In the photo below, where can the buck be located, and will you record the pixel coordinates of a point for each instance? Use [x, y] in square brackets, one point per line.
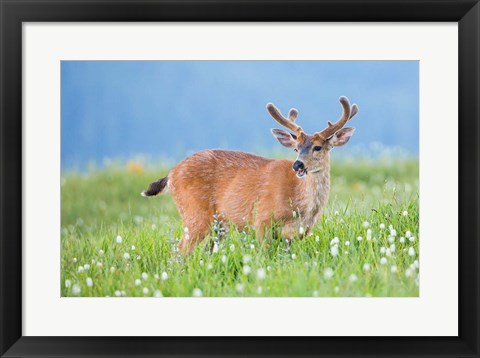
[246, 189]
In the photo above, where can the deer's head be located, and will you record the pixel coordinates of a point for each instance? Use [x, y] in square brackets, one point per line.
[313, 150]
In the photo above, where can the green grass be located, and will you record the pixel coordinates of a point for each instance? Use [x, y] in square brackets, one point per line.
[101, 205]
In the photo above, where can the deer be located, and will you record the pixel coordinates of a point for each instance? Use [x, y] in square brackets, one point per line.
[253, 191]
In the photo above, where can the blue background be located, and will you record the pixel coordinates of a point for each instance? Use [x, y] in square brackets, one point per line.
[167, 109]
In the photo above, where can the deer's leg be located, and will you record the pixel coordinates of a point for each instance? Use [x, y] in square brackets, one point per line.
[265, 231]
[196, 228]
[289, 231]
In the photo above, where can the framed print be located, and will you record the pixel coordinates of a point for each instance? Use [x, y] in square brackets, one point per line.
[240, 178]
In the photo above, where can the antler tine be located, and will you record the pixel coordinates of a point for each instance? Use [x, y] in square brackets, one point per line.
[354, 111]
[287, 123]
[293, 114]
[348, 113]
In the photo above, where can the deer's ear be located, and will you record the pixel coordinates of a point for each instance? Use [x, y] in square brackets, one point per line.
[286, 139]
[341, 137]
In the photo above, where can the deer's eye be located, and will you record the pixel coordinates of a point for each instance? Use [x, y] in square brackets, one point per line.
[296, 150]
[317, 148]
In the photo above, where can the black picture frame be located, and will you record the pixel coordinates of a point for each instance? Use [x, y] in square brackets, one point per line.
[14, 12]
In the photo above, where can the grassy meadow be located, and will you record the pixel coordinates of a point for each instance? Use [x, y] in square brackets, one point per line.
[116, 243]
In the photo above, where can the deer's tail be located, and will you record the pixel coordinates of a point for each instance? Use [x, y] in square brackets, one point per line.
[156, 187]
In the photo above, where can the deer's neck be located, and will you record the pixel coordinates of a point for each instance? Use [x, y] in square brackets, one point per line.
[314, 195]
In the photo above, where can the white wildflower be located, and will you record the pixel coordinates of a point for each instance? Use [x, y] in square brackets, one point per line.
[76, 290]
[392, 248]
[334, 241]
[246, 259]
[405, 213]
[366, 224]
[86, 267]
[157, 293]
[301, 230]
[119, 239]
[209, 266]
[252, 246]
[164, 276]
[353, 278]
[402, 240]
[411, 238]
[201, 262]
[144, 276]
[369, 234]
[294, 256]
[80, 269]
[99, 265]
[74, 260]
[391, 239]
[101, 252]
[393, 269]
[138, 282]
[317, 238]
[366, 267]
[240, 287]
[117, 293]
[408, 234]
[382, 226]
[68, 283]
[411, 251]
[89, 282]
[328, 273]
[347, 243]
[215, 248]
[416, 264]
[224, 259]
[383, 261]
[112, 269]
[126, 255]
[185, 230]
[261, 274]
[359, 238]
[336, 213]
[246, 270]
[334, 250]
[197, 292]
[232, 247]
[133, 247]
[145, 290]
[259, 290]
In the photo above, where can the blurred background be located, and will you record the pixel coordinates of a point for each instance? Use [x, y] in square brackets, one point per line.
[161, 111]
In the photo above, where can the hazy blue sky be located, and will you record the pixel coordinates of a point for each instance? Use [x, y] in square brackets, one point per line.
[118, 109]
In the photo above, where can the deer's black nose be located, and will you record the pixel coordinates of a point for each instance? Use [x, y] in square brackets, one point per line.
[298, 165]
